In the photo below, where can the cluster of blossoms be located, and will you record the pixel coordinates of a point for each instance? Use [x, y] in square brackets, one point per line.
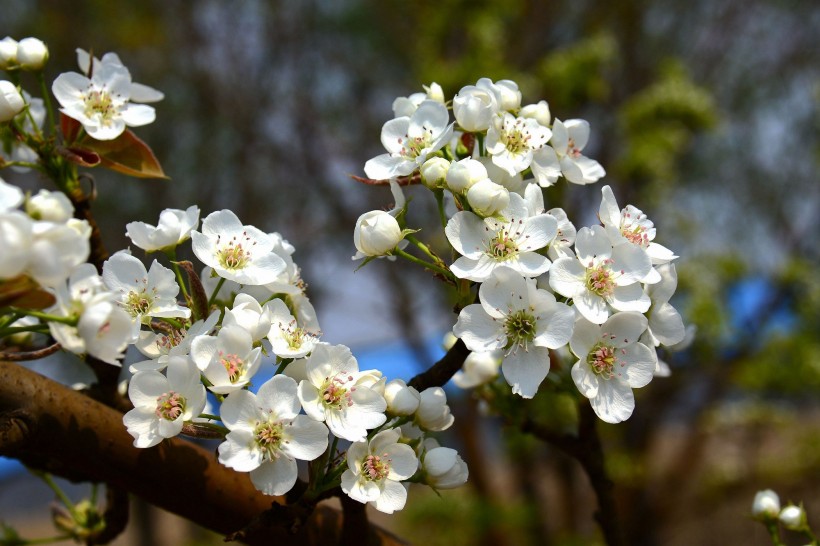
[766, 509]
[238, 338]
[543, 287]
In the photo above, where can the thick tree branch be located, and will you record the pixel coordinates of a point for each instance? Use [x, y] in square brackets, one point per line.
[50, 427]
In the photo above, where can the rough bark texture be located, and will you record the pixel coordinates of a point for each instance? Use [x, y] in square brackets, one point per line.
[50, 427]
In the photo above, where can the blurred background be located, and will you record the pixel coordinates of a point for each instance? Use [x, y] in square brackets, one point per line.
[705, 116]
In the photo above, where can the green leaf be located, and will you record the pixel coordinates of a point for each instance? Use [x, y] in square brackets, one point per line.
[126, 154]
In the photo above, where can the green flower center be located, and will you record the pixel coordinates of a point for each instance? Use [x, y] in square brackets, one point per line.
[520, 328]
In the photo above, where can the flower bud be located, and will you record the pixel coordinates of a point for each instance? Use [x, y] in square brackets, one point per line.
[766, 505]
[444, 468]
[473, 108]
[51, 206]
[488, 198]
[377, 233]
[539, 112]
[463, 174]
[507, 94]
[8, 53]
[435, 92]
[32, 53]
[11, 101]
[478, 369]
[434, 413]
[434, 172]
[401, 399]
[793, 518]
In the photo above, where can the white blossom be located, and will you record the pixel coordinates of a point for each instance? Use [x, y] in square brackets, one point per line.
[766, 505]
[433, 413]
[377, 233]
[524, 321]
[51, 206]
[267, 435]
[479, 367]
[511, 141]
[289, 338]
[103, 329]
[228, 360]
[174, 227]
[143, 293]
[11, 101]
[163, 404]
[611, 362]
[512, 241]
[564, 156]
[243, 254]
[101, 102]
[336, 392]
[375, 470]
[409, 140]
[443, 467]
[600, 274]
[401, 399]
[32, 53]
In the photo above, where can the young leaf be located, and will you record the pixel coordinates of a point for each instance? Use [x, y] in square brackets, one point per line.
[126, 154]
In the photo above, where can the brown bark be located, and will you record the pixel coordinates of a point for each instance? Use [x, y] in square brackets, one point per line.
[53, 428]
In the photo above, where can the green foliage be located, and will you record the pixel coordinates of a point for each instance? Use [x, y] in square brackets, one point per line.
[659, 123]
[580, 72]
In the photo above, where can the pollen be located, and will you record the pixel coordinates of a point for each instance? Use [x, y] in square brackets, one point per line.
[170, 405]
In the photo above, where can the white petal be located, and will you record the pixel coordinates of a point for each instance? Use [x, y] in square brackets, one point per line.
[615, 401]
[278, 395]
[240, 410]
[566, 276]
[585, 379]
[591, 306]
[393, 497]
[525, 370]
[307, 438]
[466, 232]
[667, 325]
[479, 331]
[624, 328]
[235, 452]
[593, 246]
[275, 477]
[630, 298]
[639, 365]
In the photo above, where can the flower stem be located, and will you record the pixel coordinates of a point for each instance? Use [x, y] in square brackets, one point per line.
[422, 263]
[47, 101]
[212, 299]
[71, 321]
[172, 255]
[57, 491]
[439, 194]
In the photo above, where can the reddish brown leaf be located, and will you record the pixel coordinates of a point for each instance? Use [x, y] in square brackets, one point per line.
[70, 128]
[80, 156]
[126, 154]
[24, 292]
